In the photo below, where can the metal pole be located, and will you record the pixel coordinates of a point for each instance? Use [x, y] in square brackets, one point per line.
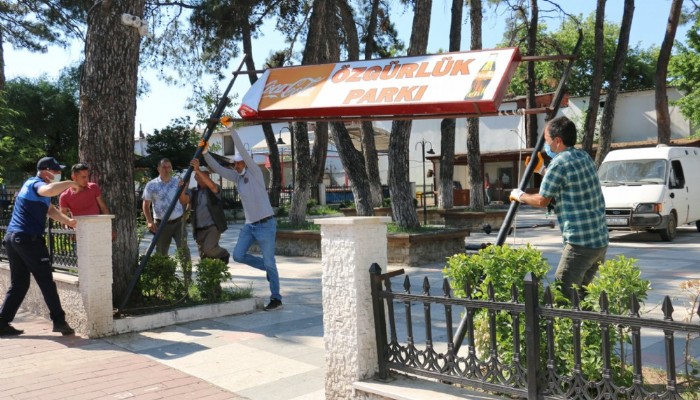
[211, 125]
[291, 132]
[554, 107]
[505, 227]
[425, 207]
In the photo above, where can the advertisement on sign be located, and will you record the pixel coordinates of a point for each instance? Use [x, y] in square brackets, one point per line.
[462, 83]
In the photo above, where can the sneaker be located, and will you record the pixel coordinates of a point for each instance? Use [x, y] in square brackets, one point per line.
[63, 328]
[9, 330]
[274, 304]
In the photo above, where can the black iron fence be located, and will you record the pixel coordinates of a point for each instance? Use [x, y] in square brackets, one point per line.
[531, 368]
[59, 240]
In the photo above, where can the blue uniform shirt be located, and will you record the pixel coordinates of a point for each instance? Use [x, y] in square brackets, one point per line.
[30, 209]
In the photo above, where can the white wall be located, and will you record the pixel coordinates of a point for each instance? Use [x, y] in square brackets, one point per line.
[635, 120]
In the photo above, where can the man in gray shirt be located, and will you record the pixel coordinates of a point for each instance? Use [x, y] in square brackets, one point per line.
[260, 225]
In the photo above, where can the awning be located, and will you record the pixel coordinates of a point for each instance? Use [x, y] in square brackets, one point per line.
[460, 84]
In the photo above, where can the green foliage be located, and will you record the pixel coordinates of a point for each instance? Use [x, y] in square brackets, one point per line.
[504, 266]
[684, 73]
[691, 289]
[176, 142]
[501, 266]
[159, 282]
[619, 278]
[40, 118]
[638, 72]
[306, 226]
[347, 204]
[211, 273]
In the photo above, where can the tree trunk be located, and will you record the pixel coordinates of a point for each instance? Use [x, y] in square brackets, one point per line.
[274, 157]
[320, 152]
[447, 163]
[321, 47]
[273, 151]
[354, 165]
[448, 126]
[531, 101]
[402, 205]
[369, 151]
[297, 210]
[2, 62]
[663, 119]
[106, 124]
[618, 63]
[476, 176]
[399, 185]
[369, 147]
[589, 124]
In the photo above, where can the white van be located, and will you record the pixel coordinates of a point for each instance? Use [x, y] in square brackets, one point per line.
[651, 189]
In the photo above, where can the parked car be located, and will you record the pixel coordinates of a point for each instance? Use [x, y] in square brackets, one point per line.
[651, 189]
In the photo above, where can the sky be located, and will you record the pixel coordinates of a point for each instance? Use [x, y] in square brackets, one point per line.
[156, 109]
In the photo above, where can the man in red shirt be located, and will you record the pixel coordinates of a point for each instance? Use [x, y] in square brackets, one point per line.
[84, 201]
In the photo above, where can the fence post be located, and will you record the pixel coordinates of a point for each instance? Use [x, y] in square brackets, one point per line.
[94, 242]
[322, 194]
[532, 335]
[375, 272]
[349, 245]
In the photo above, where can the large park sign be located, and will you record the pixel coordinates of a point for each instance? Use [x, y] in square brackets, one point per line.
[452, 84]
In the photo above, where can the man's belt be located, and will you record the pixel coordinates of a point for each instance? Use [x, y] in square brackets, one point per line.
[172, 221]
[260, 221]
[204, 227]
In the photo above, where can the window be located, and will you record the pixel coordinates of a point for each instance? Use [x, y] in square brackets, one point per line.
[676, 179]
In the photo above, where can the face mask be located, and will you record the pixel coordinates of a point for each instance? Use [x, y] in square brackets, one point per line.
[56, 178]
[548, 150]
[245, 169]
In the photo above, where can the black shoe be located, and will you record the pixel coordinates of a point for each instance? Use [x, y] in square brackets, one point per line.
[273, 305]
[9, 330]
[63, 328]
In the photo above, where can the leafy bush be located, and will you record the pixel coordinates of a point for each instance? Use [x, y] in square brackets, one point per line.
[211, 273]
[502, 266]
[159, 281]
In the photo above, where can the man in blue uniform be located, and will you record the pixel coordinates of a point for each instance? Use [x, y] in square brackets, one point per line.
[26, 247]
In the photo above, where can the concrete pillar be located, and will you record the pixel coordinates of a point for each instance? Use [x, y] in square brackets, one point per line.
[322, 194]
[94, 242]
[349, 245]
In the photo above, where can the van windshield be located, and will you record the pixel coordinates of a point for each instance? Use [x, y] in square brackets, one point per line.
[633, 172]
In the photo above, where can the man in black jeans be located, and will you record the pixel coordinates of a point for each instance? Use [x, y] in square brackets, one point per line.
[26, 247]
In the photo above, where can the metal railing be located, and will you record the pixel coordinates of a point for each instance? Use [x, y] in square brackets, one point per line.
[59, 240]
[513, 376]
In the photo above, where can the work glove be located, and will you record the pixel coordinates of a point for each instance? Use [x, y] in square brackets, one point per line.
[516, 195]
[539, 167]
[226, 121]
[204, 145]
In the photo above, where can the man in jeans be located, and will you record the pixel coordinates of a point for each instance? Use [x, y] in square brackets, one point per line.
[572, 181]
[159, 192]
[260, 225]
[26, 246]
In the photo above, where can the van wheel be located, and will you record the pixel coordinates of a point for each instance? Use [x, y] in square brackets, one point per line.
[669, 233]
[697, 225]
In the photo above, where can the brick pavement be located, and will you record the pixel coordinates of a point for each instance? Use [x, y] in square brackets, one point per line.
[40, 364]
